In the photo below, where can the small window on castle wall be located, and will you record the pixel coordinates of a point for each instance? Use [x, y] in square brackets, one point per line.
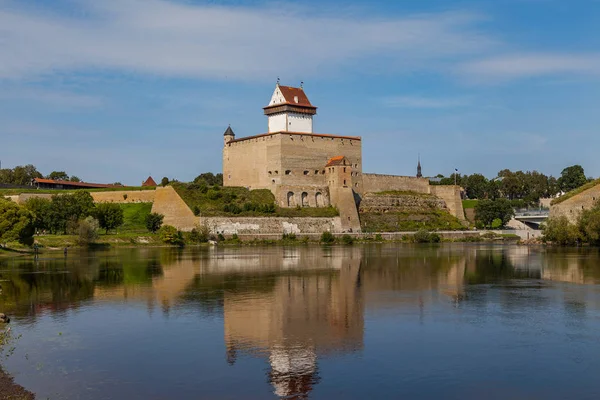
[288, 172]
[270, 173]
[276, 172]
[344, 169]
[316, 172]
[356, 184]
[344, 182]
[305, 172]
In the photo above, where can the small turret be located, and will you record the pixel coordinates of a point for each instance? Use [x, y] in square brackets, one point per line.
[419, 174]
[229, 135]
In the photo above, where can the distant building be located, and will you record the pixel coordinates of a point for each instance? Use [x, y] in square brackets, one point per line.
[149, 182]
[40, 183]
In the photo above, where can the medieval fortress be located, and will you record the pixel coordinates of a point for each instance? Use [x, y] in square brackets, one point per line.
[308, 169]
[302, 169]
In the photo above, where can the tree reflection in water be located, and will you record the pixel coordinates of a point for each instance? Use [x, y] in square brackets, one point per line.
[292, 306]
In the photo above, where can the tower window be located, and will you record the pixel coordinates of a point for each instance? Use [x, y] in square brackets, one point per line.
[305, 172]
[317, 172]
[288, 172]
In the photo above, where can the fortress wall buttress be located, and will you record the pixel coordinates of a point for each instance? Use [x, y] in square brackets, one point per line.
[451, 195]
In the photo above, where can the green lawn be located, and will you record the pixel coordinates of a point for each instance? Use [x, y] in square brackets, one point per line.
[469, 203]
[575, 192]
[134, 215]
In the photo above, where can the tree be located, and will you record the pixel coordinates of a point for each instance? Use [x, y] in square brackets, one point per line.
[170, 235]
[486, 211]
[69, 207]
[559, 230]
[16, 223]
[58, 176]
[200, 233]
[87, 231]
[23, 175]
[75, 179]
[588, 224]
[476, 186]
[571, 178]
[110, 216]
[154, 221]
[164, 181]
[41, 211]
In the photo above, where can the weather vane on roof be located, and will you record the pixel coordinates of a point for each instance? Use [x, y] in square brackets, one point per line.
[301, 84]
[278, 80]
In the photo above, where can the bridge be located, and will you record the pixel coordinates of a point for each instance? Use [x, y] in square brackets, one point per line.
[532, 218]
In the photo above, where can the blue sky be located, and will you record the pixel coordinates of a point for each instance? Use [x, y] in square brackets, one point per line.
[116, 90]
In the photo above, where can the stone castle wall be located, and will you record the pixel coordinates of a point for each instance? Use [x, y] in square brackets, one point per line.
[125, 196]
[291, 196]
[372, 203]
[246, 163]
[451, 196]
[269, 161]
[303, 159]
[374, 183]
[572, 207]
[275, 225]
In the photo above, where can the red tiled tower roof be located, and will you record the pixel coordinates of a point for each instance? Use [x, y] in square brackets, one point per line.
[149, 182]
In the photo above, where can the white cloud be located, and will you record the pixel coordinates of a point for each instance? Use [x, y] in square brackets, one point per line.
[514, 66]
[424, 102]
[166, 38]
[59, 99]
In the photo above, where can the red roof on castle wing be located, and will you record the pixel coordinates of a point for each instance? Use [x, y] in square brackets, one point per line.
[69, 183]
[291, 94]
[338, 160]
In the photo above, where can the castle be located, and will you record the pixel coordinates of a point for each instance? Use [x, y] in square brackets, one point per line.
[307, 169]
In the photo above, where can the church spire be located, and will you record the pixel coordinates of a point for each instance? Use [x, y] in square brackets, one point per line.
[419, 174]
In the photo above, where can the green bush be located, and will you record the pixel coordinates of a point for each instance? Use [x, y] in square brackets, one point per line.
[559, 230]
[424, 236]
[154, 221]
[347, 239]
[378, 237]
[289, 237]
[327, 237]
[87, 232]
[200, 234]
[170, 235]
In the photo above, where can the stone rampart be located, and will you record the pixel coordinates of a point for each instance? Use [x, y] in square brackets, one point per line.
[572, 207]
[23, 197]
[271, 226]
[125, 196]
[374, 183]
[373, 203]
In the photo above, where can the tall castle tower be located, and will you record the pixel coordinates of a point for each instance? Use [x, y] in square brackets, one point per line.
[290, 110]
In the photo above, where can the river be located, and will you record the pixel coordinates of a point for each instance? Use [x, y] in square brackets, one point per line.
[456, 321]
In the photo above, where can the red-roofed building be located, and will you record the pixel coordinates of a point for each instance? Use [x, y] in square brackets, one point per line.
[149, 182]
[41, 183]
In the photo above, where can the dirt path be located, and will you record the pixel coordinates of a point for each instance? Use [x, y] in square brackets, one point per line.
[9, 390]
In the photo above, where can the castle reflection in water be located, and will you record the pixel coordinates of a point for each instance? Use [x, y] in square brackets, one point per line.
[290, 306]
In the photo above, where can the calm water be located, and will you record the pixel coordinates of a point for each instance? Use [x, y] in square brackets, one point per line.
[380, 321]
